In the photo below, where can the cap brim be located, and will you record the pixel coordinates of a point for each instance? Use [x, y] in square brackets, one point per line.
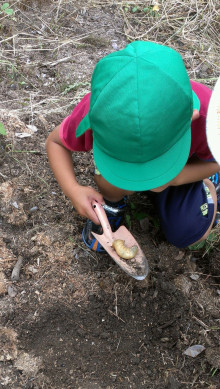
[143, 176]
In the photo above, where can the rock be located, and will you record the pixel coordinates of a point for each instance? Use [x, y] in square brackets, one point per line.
[12, 291]
[8, 344]
[194, 351]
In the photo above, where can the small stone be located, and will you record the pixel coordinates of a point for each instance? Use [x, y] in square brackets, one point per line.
[194, 277]
[114, 45]
[33, 209]
[32, 269]
[194, 350]
[164, 340]
[12, 291]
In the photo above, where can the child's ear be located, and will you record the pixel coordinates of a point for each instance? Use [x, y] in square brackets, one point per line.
[195, 114]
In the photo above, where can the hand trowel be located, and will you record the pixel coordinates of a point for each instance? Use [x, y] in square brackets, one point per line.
[136, 267]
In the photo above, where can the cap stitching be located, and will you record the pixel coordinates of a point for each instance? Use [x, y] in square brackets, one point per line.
[108, 83]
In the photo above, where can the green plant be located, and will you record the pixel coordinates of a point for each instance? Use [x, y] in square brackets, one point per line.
[214, 371]
[151, 10]
[208, 244]
[2, 129]
[6, 10]
[74, 87]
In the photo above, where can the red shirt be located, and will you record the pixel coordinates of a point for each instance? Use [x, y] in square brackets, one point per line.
[199, 146]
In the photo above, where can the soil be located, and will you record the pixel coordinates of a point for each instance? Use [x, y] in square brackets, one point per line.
[74, 319]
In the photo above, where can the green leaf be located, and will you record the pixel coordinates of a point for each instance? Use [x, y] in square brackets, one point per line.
[140, 215]
[132, 205]
[128, 220]
[2, 129]
[9, 11]
[197, 246]
[4, 6]
[134, 9]
[212, 237]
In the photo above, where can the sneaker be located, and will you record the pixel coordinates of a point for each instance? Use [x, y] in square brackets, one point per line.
[216, 181]
[217, 219]
[115, 213]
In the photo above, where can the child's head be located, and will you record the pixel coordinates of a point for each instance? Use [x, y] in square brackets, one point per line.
[140, 114]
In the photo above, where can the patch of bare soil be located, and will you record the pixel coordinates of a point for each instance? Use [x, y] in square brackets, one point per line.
[73, 319]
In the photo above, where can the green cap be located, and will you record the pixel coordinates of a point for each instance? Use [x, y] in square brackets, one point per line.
[140, 114]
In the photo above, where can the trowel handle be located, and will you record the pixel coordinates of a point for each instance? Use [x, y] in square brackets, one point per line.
[100, 212]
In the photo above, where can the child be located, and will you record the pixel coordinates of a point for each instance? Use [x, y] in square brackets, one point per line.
[146, 124]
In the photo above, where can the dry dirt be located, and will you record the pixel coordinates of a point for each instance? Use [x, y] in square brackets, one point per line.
[74, 319]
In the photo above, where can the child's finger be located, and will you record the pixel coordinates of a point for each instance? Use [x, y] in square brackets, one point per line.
[92, 215]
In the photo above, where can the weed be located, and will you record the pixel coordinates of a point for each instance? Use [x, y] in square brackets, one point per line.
[6, 10]
[209, 244]
[2, 129]
[151, 10]
[74, 87]
[214, 371]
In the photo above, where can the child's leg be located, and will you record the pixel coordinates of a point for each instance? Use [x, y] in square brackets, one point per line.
[187, 212]
[213, 194]
[109, 191]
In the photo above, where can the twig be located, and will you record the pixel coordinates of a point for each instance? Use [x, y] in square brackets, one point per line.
[116, 301]
[66, 59]
[58, 9]
[7, 260]
[119, 318]
[2, 175]
[201, 323]
[16, 271]
[118, 344]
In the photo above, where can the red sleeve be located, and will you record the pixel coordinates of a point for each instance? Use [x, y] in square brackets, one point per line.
[69, 125]
[199, 145]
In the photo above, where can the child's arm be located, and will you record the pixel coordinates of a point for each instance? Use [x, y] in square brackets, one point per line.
[61, 163]
[195, 170]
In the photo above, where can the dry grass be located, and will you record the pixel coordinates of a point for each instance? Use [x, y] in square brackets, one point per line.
[40, 35]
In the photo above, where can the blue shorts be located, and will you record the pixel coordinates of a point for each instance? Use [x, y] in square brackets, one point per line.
[185, 212]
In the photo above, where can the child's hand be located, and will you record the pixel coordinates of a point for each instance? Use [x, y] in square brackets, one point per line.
[82, 201]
